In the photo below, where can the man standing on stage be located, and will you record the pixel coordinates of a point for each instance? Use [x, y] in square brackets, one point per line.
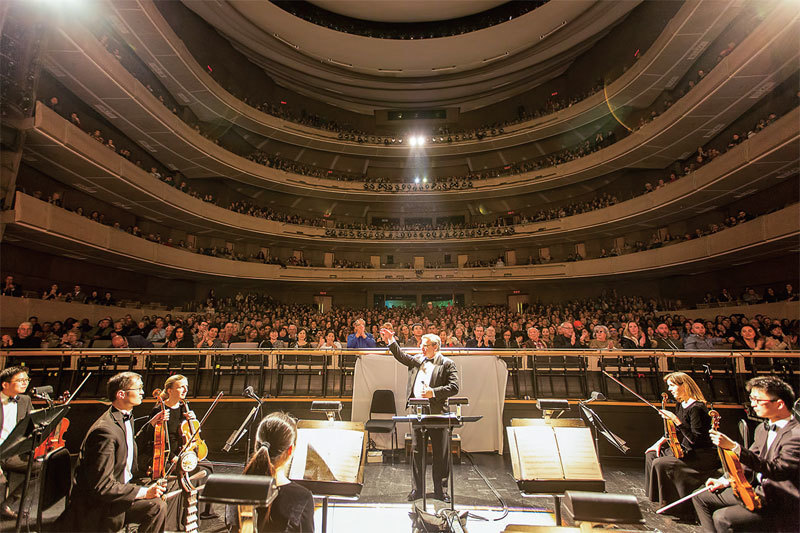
[430, 375]
[774, 458]
[104, 498]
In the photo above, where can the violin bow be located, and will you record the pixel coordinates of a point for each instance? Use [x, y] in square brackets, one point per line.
[190, 440]
[621, 384]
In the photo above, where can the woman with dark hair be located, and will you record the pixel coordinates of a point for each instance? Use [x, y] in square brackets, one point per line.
[179, 339]
[748, 339]
[668, 478]
[293, 509]
[302, 341]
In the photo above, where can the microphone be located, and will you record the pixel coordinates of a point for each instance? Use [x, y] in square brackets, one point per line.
[248, 392]
[42, 392]
[596, 396]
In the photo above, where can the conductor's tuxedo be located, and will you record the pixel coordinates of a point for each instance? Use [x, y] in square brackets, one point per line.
[775, 472]
[444, 383]
[102, 499]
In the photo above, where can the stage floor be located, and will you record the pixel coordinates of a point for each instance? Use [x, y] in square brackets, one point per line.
[383, 507]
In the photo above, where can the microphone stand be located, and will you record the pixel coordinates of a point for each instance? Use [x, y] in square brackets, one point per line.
[245, 427]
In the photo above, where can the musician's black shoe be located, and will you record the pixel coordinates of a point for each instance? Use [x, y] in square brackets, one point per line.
[413, 496]
[443, 497]
[8, 512]
[208, 514]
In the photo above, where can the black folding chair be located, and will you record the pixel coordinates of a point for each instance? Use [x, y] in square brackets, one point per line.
[382, 403]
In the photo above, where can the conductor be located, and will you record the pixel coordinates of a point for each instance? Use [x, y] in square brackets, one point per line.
[430, 375]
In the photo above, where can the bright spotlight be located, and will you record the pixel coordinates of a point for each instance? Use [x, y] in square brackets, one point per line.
[416, 180]
[412, 141]
[420, 140]
[424, 180]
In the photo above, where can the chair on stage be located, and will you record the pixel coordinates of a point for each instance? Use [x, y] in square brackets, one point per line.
[55, 483]
[159, 366]
[514, 366]
[103, 365]
[642, 370]
[382, 403]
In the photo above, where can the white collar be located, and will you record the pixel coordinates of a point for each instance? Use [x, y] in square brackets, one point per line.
[5, 400]
[782, 422]
[687, 403]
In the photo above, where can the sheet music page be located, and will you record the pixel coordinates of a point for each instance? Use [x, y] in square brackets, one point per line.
[335, 455]
[577, 453]
[538, 453]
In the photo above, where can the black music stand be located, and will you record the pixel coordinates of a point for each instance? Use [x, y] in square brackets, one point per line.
[424, 423]
[26, 436]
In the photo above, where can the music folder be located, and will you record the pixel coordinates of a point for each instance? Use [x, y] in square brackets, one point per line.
[552, 456]
[329, 457]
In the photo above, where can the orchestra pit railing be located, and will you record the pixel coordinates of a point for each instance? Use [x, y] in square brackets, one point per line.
[294, 373]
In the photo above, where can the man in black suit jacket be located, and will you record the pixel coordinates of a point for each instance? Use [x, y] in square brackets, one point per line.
[14, 381]
[774, 458]
[103, 497]
[430, 375]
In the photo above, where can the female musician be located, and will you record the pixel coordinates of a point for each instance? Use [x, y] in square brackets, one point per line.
[293, 509]
[668, 478]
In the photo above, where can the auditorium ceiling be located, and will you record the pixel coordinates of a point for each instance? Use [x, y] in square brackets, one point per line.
[363, 74]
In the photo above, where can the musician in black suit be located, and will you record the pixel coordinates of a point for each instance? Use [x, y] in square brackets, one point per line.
[103, 497]
[15, 406]
[774, 459]
[430, 375]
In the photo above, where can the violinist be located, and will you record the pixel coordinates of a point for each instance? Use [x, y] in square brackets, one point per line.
[176, 410]
[668, 477]
[14, 406]
[774, 461]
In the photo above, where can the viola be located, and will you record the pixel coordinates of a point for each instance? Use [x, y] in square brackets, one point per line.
[160, 441]
[670, 431]
[55, 440]
[190, 432]
[735, 473]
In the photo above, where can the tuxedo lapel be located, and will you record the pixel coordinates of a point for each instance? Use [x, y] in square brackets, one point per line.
[782, 433]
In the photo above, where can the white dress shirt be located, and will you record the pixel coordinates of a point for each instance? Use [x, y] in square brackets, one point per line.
[10, 410]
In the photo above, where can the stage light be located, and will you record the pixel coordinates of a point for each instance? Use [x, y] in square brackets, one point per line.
[412, 141]
[424, 180]
[420, 140]
[416, 180]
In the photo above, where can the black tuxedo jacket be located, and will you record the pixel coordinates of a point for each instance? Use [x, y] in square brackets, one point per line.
[100, 497]
[23, 409]
[779, 468]
[444, 380]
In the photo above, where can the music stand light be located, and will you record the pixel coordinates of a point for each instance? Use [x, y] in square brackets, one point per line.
[459, 402]
[332, 409]
[419, 404]
[238, 489]
[548, 406]
[599, 507]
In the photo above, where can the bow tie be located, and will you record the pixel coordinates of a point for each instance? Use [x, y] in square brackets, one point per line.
[773, 427]
[13, 399]
[126, 417]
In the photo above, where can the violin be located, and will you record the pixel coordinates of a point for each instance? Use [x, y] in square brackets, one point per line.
[55, 440]
[734, 472]
[190, 432]
[160, 440]
[670, 431]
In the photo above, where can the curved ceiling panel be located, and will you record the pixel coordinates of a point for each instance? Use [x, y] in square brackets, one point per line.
[363, 74]
[406, 11]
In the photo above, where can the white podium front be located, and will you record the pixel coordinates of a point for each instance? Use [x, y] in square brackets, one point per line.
[482, 379]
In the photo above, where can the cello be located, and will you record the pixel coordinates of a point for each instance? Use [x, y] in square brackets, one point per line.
[734, 472]
[160, 441]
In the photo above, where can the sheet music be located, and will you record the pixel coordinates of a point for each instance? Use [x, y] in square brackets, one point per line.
[538, 453]
[577, 452]
[327, 455]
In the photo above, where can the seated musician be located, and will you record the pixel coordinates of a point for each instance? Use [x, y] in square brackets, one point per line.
[104, 498]
[668, 478]
[15, 406]
[293, 508]
[176, 411]
[773, 458]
